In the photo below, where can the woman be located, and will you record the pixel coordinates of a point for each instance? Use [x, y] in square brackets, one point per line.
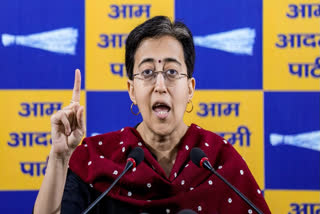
[159, 60]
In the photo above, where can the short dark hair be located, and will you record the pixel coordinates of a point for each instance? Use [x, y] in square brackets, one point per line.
[156, 27]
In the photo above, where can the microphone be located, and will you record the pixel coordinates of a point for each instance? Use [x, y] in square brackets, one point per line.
[199, 158]
[135, 157]
[187, 211]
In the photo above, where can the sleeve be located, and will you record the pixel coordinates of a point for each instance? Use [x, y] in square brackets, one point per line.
[76, 195]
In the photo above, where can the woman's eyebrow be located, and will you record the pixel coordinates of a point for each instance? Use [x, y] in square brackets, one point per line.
[146, 60]
[166, 60]
[169, 59]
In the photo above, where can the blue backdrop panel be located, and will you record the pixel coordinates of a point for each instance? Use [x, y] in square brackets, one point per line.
[216, 68]
[109, 111]
[17, 201]
[288, 166]
[35, 68]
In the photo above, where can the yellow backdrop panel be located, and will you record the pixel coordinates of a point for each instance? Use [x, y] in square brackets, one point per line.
[285, 201]
[290, 41]
[25, 134]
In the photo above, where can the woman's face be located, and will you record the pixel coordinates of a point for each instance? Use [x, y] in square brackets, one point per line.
[162, 103]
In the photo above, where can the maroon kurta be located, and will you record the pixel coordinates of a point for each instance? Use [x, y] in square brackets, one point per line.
[100, 159]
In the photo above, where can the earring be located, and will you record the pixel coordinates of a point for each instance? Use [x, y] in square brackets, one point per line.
[189, 111]
[132, 110]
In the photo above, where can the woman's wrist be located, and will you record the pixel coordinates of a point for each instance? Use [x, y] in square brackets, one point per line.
[60, 158]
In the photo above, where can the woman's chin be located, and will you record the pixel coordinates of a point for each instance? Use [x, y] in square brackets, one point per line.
[162, 129]
[162, 126]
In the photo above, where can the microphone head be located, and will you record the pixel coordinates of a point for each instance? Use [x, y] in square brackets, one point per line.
[196, 155]
[137, 155]
[187, 211]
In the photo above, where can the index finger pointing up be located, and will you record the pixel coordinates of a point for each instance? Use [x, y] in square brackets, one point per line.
[77, 86]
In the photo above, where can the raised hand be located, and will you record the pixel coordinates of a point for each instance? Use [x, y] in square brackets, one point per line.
[67, 125]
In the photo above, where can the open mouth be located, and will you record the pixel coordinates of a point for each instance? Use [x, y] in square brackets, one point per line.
[161, 110]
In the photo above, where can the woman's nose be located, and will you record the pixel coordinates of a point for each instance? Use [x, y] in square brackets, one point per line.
[160, 83]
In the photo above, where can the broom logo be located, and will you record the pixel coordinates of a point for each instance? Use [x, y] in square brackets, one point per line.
[62, 41]
[309, 140]
[238, 41]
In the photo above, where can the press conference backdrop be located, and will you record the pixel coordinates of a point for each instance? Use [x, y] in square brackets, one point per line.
[257, 78]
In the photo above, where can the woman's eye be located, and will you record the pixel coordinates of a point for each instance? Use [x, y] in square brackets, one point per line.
[172, 72]
[147, 72]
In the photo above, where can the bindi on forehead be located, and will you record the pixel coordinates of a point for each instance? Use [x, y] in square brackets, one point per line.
[159, 61]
